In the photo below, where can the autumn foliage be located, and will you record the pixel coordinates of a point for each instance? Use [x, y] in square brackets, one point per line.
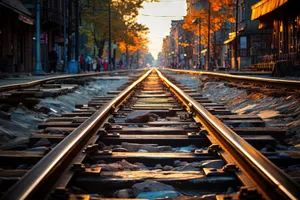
[221, 11]
[126, 31]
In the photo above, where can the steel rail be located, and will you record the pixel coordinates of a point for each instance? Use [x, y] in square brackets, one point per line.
[39, 177]
[272, 183]
[292, 84]
[38, 82]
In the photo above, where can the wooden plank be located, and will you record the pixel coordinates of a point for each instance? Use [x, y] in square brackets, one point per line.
[237, 117]
[117, 180]
[172, 140]
[245, 122]
[16, 158]
[152, 95]
[260, 141]
[67, 119]
[160, 113]
[275, 132]
[58, 124]
[154, 92]
[81, 114]
[155, 123]
[154, 130]
[52, 138]
[151, 159]
[220, 112]
[12, 172]
[65, 130]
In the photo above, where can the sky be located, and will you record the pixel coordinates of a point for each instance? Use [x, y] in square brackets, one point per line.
[160, 26]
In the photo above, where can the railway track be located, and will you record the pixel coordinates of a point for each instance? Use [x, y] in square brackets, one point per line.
[255, 83]
[152, 133]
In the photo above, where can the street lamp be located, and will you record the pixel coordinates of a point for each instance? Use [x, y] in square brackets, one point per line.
[173, 58]
[199, 39]
[208, 37]
[236, 35]
[38, 66]
[109, 34]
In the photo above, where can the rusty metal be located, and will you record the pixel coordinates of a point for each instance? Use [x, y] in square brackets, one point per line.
[280, 83]
[54, 163]
[182, 124]
[270, 180]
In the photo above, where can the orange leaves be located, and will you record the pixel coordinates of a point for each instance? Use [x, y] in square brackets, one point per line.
[215, 5]
[221, 12]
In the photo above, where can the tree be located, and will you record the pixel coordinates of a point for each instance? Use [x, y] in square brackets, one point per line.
[220, 12]
[124, 13]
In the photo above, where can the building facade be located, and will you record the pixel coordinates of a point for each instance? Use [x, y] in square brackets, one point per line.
[16, 33]
[283, 17]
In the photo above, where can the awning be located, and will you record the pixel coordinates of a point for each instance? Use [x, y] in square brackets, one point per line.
[229, 40]
[19, 8]
[265, 6]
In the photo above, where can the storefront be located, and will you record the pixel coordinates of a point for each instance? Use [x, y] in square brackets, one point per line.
[283, 17]
[16, 39]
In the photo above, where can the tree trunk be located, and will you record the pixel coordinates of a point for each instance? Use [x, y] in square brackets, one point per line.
[101, 48]
[127, 57]
[131, 59]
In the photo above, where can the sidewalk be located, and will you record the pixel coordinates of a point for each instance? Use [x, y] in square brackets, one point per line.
[18, 78]
[23, 78]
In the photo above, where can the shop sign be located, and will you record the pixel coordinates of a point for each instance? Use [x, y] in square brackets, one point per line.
[44, 38]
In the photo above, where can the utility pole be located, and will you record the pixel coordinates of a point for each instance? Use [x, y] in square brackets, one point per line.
[199, 44]
[137, 59]
[114, 54]
[38, 67]
[70, 27]
[208, 37]
[65, 36]
[236, 35]
[109, 35]
[77, 30]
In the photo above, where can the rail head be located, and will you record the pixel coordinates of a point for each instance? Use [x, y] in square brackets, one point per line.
[27, 187]
[280, 83]
[270, 180]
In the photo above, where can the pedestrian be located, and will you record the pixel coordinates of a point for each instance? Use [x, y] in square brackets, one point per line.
[121, 66]
[82, 63]
[88, 61]
[105, 65]
[94, 63]
[195, 67]
[253, 55]
[99, 62]
[53, 60]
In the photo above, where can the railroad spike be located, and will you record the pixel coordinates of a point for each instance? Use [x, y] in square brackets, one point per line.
[102, 131]
[107, 125]
[114, 134]
[203, 132]
[78, 167]
[113, 109]
[111, 120]
[93, 148]
[213, 172]
[60, 193]
[249, 193]
[198, 151]
[230, 168]
[105, 152]
[214, 148]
